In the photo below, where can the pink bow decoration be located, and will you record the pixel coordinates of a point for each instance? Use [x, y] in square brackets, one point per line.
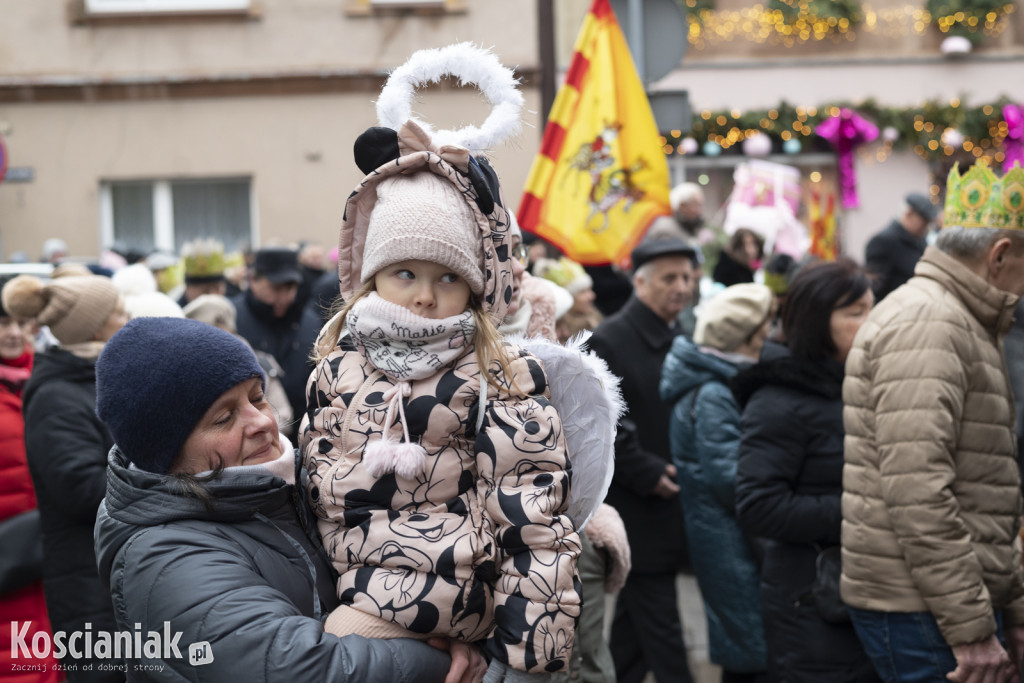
[846, 131]
[412, 138]
[1014, 143]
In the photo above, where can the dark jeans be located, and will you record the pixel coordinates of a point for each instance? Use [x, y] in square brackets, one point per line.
[906, 647]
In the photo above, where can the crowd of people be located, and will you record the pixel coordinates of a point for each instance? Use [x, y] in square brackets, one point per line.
[354, 466]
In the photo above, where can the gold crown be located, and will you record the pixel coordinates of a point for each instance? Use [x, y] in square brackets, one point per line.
[564, 273]
[204, 260]
[981, 199]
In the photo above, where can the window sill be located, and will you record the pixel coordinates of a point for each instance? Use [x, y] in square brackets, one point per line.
[365, 8]
[78, 15]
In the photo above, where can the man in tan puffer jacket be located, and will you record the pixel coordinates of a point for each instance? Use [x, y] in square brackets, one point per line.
[932, 500]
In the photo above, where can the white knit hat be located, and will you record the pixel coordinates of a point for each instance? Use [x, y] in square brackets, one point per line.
[423, 217]
[732, 316]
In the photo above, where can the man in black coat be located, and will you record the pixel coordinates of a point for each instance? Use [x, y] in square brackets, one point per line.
[272, 320]
[647, 632]
[891, 255]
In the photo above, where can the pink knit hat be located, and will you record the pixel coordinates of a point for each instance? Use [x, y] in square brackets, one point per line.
[423, 217]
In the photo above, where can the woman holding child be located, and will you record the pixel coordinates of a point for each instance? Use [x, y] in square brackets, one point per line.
[203, 526]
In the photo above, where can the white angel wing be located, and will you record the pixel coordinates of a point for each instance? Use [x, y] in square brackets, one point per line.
[588, 400]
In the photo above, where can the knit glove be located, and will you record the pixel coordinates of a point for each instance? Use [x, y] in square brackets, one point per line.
[498, 672]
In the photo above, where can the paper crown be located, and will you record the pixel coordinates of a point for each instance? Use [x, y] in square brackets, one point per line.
[777, 282]
[981, 199]
[204, 261]
[564, 273]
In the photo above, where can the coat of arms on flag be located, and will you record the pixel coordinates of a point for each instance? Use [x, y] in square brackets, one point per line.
[601, 176]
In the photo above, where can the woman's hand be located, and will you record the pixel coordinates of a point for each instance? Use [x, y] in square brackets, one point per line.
[468, 664]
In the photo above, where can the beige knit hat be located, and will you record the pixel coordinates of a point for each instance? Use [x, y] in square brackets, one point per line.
[423, 217]
[75, 308]
[213, 309]
[732, 316]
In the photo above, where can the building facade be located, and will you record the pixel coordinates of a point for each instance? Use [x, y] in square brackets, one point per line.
[890, 57]
[151, 122]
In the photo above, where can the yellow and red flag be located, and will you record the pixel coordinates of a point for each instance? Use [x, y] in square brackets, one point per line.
[824, 244]
[601, 176]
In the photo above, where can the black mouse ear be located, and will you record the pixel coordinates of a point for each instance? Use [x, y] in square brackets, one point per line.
[485, 182]
[376, 147]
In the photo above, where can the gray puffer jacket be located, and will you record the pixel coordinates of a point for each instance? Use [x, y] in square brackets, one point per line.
[246, 575]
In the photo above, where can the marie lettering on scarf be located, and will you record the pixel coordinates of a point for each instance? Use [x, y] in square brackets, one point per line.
[403, 345]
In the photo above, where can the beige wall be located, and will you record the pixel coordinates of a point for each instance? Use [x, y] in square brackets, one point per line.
[37, 38]
[296, 148]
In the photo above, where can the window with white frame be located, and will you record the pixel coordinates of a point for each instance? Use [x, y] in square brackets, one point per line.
[407, 3]
[145, 6]
[165, 214]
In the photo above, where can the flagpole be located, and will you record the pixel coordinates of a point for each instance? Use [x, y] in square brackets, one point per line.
[636, 37]
[546, 53]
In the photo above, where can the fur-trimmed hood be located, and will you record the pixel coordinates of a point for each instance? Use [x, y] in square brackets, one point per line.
[383, 153]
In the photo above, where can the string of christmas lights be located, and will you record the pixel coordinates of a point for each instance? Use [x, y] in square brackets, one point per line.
[934, 130]
[789, 22]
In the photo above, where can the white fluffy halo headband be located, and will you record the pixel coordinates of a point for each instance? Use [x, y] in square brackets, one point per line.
[471, 65]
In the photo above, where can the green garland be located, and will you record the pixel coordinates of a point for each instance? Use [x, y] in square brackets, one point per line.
[830, 11]
[967, 18]
[919, 128]
[693, 8]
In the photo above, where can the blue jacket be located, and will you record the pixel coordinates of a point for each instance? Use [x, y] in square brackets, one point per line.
[705, 435]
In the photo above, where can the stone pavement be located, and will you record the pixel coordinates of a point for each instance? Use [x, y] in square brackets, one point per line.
[695, 630]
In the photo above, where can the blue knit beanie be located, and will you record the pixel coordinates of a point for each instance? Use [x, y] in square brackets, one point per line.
[157, 377]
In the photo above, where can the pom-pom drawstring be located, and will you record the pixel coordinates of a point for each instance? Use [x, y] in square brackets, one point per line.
[406, 459]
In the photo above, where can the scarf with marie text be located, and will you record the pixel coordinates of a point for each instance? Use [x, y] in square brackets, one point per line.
[403, 345]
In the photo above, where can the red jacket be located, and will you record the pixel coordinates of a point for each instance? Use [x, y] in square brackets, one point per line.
[17, 496]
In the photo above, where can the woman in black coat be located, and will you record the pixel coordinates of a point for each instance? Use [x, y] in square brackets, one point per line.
[789, 476]
[739, 259]
[66, 447]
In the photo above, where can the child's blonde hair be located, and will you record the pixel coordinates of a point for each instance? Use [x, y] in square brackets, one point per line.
[489, 346]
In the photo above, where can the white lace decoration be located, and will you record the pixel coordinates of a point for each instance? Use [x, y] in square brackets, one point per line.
[472, 65]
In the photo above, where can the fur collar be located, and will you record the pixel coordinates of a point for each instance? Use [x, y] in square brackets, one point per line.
[818, 378]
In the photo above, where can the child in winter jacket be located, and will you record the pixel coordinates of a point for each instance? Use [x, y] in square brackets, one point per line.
[438, 468]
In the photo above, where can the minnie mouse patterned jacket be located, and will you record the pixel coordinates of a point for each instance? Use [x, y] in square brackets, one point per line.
[478, 544]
